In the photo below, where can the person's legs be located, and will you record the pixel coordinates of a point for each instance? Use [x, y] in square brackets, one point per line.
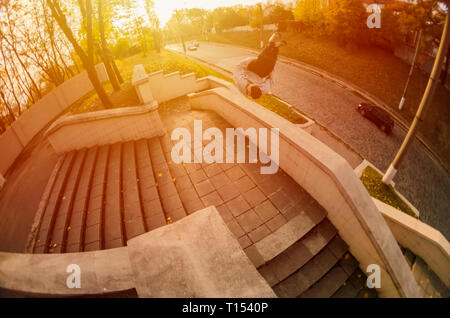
[264, 64]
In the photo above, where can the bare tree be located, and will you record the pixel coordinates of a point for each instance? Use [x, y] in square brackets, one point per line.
[104, 51]
[87, 58]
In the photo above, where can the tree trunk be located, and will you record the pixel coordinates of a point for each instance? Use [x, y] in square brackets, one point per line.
[116, 69]
[86, 59]
[105, 56]
[92, 74]
[12, 117]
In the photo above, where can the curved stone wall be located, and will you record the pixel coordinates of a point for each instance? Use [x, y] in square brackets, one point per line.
[41, 114]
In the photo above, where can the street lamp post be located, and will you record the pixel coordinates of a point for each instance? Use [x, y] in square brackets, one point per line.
[261, 25]
[416, 53]
[426, 100]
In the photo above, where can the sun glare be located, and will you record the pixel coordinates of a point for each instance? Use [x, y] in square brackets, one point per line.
[164, 8]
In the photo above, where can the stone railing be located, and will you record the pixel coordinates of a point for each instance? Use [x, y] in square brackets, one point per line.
[163, 87]
[105, 127]
[420, 238]
[41, 114]
[330, 180]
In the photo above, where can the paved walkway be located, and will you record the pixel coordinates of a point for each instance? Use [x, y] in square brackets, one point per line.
[420, 179]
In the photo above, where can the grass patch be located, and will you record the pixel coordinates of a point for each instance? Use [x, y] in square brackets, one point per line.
[167, 61]
[280, 108]
[385, 193]
[375, 70]
[170, 62]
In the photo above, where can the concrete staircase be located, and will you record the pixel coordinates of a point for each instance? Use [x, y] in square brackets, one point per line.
[318, 265]
[101, 197]
[429, 283]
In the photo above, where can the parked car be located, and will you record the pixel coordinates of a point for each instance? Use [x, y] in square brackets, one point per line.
[192, 47]
[378, 116]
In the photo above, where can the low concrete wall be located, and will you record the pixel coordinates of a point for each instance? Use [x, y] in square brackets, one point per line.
[170, 86]
[105, 127]
[331, 182]
[46, 274]
[14, 140]
[420, 238]
[163, 87]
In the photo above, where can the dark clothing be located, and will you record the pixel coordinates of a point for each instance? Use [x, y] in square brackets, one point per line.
[264, 64]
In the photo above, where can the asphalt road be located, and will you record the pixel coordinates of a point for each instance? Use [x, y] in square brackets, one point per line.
[421, 179]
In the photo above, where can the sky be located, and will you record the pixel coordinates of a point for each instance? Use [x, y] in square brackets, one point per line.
[164, 8]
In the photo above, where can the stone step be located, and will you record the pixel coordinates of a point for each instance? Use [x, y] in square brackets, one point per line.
[48, 218]
[280, 240]
[352, 286]
[151, 205]
[333, 280]
[62, 216]
[77, 220]
[113, 227]
[101, 197]
[302, 252]
[133, 216]
[310, 273]
[93, 214]
[171, 202]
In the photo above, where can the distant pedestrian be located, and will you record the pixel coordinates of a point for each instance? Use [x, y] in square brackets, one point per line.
[253, 76]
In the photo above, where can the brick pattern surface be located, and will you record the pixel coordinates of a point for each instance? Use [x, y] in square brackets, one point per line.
[253, 205]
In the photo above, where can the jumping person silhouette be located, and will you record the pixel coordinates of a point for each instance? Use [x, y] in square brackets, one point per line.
[253, 76]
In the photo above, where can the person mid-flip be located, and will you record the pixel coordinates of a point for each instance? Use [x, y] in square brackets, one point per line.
[253, 76]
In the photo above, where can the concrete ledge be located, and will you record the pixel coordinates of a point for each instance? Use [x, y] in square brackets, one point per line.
[360, 169]
[330, 180]
[196, 256]
[420, 238]
[277, 242]
[46, 274]
[75, 132]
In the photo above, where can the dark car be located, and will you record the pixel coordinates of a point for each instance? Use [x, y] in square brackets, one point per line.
[377, 115]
